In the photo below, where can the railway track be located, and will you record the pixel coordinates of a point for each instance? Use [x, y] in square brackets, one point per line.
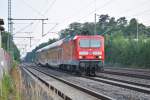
[88, 91]
[140, 88]
[121, 83]
[130, 73]
[125, 81]
[144, 88]
[129, 69]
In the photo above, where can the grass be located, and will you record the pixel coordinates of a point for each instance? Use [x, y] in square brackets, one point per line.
[16, 78]
[6, 87]
[15, 64]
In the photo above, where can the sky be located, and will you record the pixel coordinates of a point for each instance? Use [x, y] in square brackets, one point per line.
[61, 13]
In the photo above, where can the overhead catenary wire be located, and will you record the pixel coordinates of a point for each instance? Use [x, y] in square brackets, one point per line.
[102, 6]
[50, 6]
[139, 13]
[107, 3]
[49, 31]
[36, 24]
[24, 27]
[83, 8]
[135, 8]
[79, 10]
[35, 10]
[96, 9]
[46, 11]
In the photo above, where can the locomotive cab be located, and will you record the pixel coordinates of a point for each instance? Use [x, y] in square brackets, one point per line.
[90, 54]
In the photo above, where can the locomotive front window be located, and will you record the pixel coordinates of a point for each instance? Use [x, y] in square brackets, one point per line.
[95, 43]
[86, 43]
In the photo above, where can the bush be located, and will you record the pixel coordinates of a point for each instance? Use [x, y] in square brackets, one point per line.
[127, 51]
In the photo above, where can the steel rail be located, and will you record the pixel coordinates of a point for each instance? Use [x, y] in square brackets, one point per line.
[129, 69]
[124, 81]
[127, 74]
[121, 84]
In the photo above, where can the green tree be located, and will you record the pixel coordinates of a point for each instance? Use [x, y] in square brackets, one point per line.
[88, 28]
[102, 24]
[14, 49]
[131, 29]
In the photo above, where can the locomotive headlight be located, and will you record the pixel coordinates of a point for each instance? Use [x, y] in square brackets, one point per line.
[80, 57]
[99, 57]
[83, 53]
[97, 53]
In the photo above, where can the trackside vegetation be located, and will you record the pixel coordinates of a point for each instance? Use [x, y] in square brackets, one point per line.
[127, 50]
[8, 89]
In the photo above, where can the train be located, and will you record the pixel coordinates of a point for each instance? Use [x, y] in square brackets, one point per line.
[82, 54]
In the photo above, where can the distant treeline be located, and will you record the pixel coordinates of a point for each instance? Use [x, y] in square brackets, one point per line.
[121, 44]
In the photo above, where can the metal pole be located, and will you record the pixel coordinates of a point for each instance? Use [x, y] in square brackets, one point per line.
[9, 25]
[95, 24]
[30, 41]
[0, 39]
[34, 19]
[95, 18]
[42, 28]
[11, 41]
[26, 37]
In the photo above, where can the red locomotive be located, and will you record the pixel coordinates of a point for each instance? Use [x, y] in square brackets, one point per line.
[83, 54]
